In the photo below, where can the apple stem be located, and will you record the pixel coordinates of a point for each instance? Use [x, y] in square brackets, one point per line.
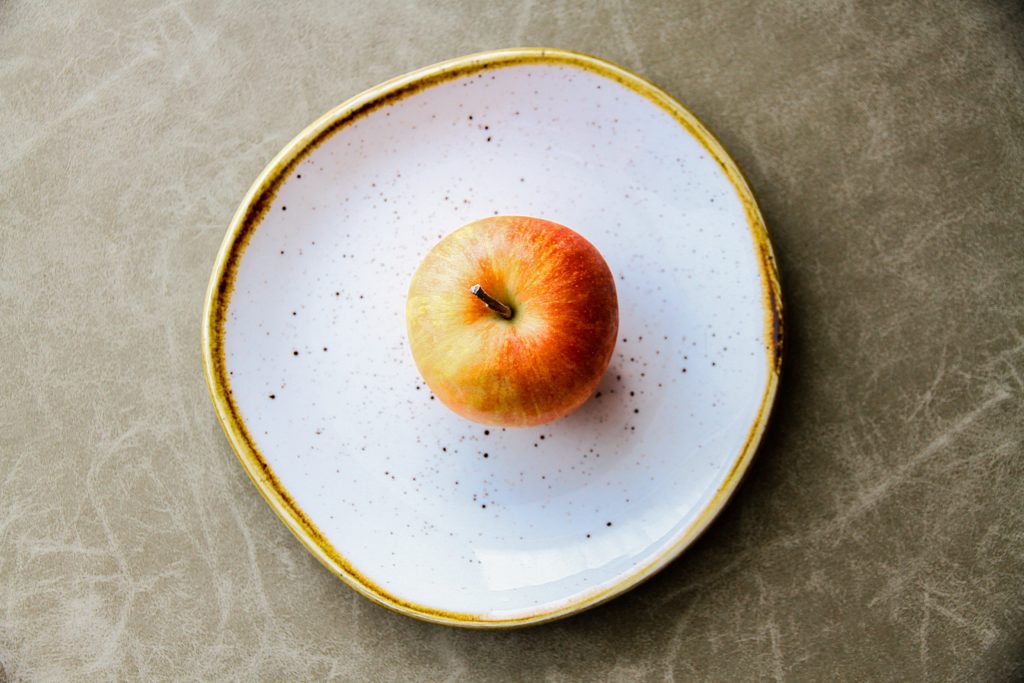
[501, 309]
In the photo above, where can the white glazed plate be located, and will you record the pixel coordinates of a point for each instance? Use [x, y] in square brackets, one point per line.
[416, 508]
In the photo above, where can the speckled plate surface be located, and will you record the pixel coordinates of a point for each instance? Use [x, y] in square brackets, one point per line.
[411, 505]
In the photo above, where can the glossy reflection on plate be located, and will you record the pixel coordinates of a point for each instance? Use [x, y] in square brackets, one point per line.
[311, 375]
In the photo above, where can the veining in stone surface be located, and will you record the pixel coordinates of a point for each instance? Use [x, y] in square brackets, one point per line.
[880, 532]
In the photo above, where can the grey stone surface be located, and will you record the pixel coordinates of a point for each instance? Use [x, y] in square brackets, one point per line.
[880, 533]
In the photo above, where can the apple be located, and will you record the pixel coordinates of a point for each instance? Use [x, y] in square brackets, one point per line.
[512, 320]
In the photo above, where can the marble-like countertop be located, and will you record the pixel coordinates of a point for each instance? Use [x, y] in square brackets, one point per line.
[879, 534]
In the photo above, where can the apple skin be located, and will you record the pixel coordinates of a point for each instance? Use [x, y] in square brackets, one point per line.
[548, 358]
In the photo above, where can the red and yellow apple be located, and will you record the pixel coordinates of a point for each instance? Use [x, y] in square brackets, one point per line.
[512, 320]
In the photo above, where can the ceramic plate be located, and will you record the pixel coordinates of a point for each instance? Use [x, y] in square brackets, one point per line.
[311, 375]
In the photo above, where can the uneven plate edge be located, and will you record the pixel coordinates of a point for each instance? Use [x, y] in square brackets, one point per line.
[254, 206]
